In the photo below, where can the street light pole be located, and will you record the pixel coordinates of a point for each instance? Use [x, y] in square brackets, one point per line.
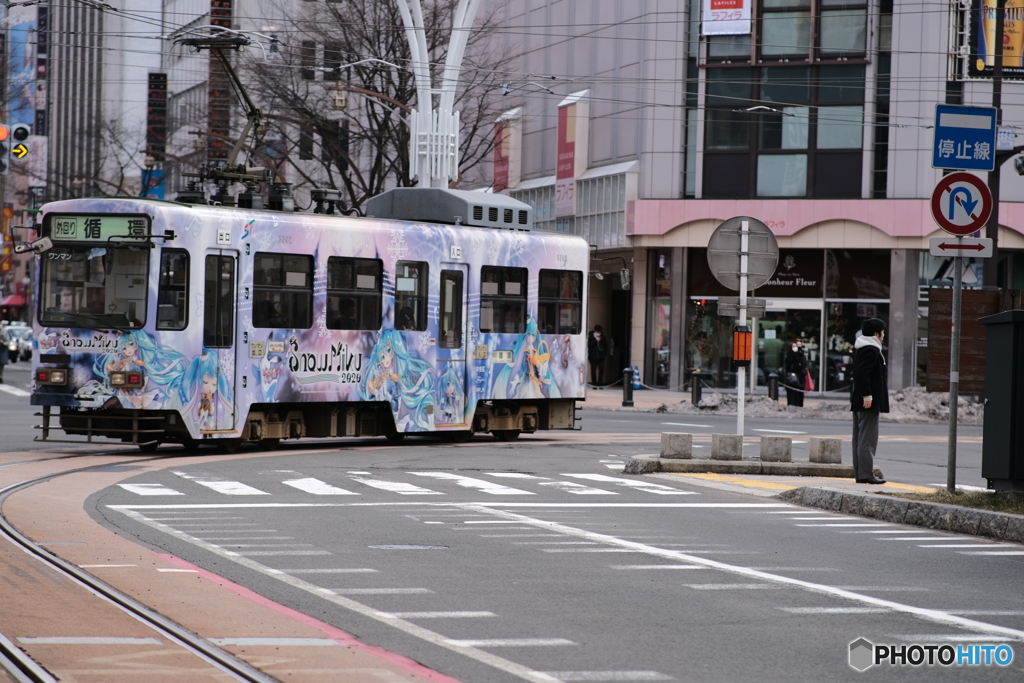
[434, 133]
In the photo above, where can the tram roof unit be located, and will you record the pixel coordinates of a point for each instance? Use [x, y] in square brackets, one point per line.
[454, 207]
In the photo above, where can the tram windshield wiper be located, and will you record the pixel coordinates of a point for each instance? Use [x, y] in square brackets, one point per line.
[108, 324]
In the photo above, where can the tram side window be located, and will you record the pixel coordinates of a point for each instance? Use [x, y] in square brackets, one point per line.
[354, 287]
[282, 291]
[411, 287]
[172, 296]
[560, 301]
[219, 314]
[450, 322]
[503, 300]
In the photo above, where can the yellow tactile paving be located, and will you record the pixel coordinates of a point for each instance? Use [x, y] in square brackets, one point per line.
[784, 484]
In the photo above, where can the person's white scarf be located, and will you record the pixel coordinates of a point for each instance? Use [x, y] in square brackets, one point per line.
[870, 341]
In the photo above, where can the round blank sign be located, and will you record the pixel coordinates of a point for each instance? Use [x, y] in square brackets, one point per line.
[724, 253]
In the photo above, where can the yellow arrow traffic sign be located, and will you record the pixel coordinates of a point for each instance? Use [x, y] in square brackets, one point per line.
[19, 151]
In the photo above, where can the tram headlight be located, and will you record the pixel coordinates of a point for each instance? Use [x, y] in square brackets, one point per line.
[118, 379]
[130, 380]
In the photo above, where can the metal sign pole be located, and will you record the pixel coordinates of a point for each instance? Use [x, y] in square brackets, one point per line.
[954, 371]
[741, 377]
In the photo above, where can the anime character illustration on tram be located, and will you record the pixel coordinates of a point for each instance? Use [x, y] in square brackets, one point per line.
[396, 375]
[205, 391]
[137, 351]
[529, 374]
[451, 396]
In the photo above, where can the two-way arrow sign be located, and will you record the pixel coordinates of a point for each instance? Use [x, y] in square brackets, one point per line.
[978, 247]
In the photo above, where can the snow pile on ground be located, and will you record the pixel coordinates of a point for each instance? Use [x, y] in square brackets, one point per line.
[908, 405]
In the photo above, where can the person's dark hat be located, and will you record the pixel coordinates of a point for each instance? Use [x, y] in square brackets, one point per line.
[872, 326]
[597, 328]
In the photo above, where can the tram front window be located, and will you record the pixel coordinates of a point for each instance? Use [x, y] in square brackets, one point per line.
[94, 287]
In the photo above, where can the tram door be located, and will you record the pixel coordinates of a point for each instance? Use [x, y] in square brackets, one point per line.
[212, 376]
[450, 406]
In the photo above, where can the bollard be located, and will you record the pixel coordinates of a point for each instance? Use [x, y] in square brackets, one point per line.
[773, 386]
[627, 387]
[695, 389]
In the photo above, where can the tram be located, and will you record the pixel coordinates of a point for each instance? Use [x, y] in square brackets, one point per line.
[442, 313]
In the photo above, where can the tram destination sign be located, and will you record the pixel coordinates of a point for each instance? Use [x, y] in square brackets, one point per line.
[96, 227]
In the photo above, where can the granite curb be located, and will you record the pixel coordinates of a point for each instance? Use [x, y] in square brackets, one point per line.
[648, 464]
[961, 520]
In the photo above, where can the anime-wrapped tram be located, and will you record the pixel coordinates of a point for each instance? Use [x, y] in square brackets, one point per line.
[441, 313]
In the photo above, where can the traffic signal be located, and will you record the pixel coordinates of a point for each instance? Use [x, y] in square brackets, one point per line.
[5, 148]
[19, 140]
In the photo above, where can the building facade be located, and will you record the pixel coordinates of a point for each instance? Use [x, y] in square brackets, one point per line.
[813, 116]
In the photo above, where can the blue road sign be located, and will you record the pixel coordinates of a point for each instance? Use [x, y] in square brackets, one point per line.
[965, 138]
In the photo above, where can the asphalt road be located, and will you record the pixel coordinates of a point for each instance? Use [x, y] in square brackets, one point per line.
[494, 562]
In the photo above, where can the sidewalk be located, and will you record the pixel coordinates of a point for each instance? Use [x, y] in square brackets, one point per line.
[648, 400]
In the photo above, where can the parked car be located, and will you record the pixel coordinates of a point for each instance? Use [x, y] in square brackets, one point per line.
[20, 346]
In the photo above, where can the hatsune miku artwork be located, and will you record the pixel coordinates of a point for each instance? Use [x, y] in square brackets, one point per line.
[268, 373]
[136, 351]
[398, 376]
[205, 392]
[450, 396]
[529, 375]
[567, 368]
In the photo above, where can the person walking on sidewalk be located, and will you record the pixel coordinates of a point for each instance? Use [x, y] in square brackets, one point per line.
[796, 374]
[597, 349]
[869, 397]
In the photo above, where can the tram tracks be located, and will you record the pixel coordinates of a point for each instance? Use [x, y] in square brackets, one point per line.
[23, 668]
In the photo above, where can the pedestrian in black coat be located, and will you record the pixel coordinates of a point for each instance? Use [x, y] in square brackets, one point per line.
[796, 365]
[597, 349]
[869, 397]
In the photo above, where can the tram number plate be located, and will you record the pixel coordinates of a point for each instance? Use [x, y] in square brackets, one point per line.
[500, 356]
[256, 349]
[481, 352]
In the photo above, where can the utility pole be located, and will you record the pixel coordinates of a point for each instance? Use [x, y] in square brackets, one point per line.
[434, 133]
[990, 273]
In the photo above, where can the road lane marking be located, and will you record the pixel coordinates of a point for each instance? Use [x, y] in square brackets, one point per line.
[777, 431]
[586, 550]
[488, 487]
[645, 486]
[833, 610]
[979, 544]
[843, 525]
[317, 487]
[380, 591]
[398, 487]
[512, 642]
[333, 570]
[1000, 552]
[437, 615]
[578, 489]
[150, 490]
[226, 487]
[14, 391]
[685, 424]
[657, 566]
[988, 612]
[491, 508]
[518, 535]
[734, 586]
[513, 475]
[568, 676]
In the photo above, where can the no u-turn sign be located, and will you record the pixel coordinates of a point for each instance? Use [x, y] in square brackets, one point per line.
[961, 203]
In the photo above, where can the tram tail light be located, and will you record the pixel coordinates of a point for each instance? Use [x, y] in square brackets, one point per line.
[131, 380]
[741, 346]
[52, 377]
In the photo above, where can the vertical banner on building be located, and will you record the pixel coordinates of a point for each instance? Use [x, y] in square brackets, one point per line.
[7, 248]
[725, 17]
[983, 38]
[573, 137]
[508, 150]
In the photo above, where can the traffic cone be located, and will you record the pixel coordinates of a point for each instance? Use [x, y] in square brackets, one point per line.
[637, 384]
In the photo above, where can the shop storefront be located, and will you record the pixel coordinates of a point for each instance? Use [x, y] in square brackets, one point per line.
[818, 297]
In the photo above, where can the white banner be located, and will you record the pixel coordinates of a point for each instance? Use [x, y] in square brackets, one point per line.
[725, 17]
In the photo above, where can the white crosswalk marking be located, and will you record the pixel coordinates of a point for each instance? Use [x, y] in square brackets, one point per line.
[394, 486]
[638, 485]
[579, 489]
[228, 488]
[150, 490]
[566, 676]
[478, 484]
[317, 487]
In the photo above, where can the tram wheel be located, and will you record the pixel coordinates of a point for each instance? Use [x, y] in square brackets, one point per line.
[229, 446]
[506, 434]
[270, 444]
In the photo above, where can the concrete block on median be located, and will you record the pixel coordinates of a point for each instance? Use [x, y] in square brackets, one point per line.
[676, 445]
[726, 447]
[826, 450]
[776, 449]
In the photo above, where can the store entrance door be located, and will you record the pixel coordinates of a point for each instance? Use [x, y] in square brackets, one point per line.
[785, 322]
